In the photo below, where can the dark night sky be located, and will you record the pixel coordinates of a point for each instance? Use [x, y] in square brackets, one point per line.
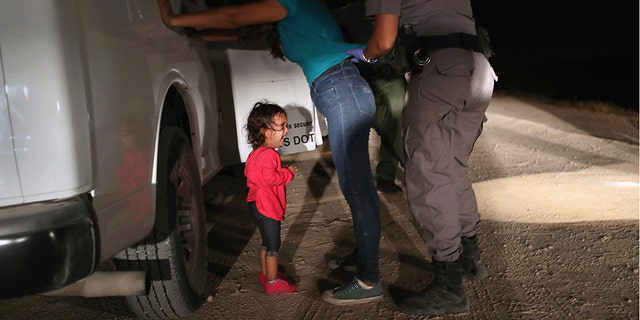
[565, 49]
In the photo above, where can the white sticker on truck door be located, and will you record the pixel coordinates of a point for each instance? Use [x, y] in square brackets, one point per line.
[257, 76]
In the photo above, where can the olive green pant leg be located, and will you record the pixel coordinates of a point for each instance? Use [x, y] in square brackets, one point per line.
[389, 93]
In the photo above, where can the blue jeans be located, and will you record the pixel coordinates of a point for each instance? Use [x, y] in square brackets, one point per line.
[345, 99]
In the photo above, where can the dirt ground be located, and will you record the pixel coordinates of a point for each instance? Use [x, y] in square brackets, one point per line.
[558, 190]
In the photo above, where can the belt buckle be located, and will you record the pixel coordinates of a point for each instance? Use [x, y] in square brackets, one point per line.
[420, 58]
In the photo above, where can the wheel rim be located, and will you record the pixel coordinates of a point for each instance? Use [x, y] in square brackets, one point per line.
[187, 214]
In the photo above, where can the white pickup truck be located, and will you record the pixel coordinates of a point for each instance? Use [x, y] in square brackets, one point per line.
[109, 126]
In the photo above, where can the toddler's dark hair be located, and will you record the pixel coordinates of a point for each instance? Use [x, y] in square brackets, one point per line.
[260, 118]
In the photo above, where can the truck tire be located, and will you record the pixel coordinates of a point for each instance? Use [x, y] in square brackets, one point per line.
[175, 253]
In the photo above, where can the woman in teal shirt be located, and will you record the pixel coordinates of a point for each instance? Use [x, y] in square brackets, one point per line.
[310, 37]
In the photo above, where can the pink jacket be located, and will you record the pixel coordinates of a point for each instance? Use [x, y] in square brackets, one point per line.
[266, 179]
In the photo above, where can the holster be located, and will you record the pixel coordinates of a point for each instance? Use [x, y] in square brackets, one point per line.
[406, 46]
[485, 43]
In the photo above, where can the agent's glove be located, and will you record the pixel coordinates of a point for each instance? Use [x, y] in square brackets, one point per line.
[358, 56]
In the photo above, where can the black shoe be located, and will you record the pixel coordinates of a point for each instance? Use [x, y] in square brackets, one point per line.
[445, 294]
[472, 265]
[388, 187]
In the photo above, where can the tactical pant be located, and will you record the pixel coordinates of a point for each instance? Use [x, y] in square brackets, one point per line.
[442, 119]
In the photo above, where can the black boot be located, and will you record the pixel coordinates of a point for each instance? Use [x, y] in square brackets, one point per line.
[474, 269]
[445, 294]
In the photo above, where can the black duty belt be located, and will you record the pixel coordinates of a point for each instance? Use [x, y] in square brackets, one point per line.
[452, 40]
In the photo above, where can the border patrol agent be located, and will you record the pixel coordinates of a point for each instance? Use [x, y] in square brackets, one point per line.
[450, 86]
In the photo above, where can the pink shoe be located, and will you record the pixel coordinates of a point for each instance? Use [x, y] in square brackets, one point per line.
[280, 275]
[278, 286]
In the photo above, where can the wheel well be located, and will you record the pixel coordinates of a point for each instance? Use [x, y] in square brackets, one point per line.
[174, 112]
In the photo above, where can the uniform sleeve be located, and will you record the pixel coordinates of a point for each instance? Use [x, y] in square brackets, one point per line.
[374, 7]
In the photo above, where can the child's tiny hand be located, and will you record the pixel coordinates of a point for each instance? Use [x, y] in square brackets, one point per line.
[293, 168]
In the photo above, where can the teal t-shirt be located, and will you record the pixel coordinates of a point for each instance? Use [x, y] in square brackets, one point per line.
[311, 37]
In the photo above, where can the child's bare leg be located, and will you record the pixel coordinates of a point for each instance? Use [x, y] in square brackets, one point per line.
[271, 264]
[263, 266]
